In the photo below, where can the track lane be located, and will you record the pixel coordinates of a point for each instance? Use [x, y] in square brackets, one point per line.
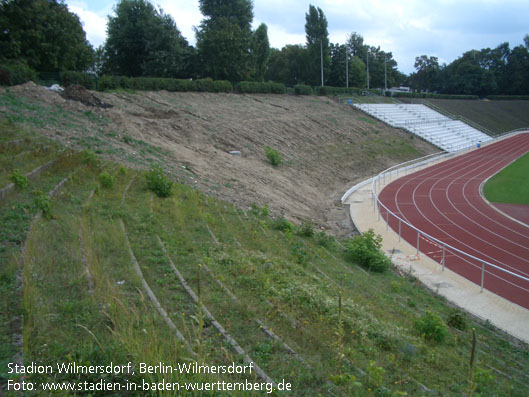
[444, 201]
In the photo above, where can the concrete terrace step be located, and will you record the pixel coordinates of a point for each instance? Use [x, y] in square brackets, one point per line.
[440, 130]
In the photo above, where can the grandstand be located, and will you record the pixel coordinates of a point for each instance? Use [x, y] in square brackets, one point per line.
[446, 133]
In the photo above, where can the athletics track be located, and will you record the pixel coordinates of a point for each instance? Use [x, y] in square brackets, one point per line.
[444, 201]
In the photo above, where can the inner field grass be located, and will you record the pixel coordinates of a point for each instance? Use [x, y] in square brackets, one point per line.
[510, 185]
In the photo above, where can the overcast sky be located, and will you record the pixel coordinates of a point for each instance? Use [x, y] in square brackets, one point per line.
[407, 28]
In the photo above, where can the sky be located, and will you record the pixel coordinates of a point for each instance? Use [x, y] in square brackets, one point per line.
[406, 28]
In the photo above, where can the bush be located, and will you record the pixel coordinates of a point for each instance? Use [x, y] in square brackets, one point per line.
[158, 182]
[365, 250]
[457, 320]
[327, 90]
[19, 180]
[302, 89]
[280, 223]
[84, 79]
[273, 156]
[507, 97]
[306, 229]
[16, 72]
[431, 327]
[251, 87]
[106, 180]
[43, 203]
[168, 84]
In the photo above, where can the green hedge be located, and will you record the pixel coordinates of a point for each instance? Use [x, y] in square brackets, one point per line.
[430, 95]
[158, 83]
[302, 89]
[88, 81]
[253, 87]
[508, 97]
[16, 72]
[327, 90]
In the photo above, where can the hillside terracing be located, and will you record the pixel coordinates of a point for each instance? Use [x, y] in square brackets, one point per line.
[326, 147]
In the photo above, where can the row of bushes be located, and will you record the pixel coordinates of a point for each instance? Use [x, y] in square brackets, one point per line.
[254, 87]
[16, 72]
[430, 95]
[158, 83]
[508, 97]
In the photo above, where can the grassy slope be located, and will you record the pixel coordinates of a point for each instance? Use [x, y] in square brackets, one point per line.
[510, 185]
[497, 116]
[370, 347]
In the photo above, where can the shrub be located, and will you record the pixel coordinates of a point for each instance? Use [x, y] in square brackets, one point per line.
[431, 326]
[365, 250]
[106, 180]
[43, 203]
[302, 89]
[277, 88]
[457, 320]
[280, 223]
[324, 239]
[158, 182]
[84, 79]
[273, 156]
[16, 72]
[306, 229]
[260, 87]
[89, 158]
[222, 86]
[19, 180]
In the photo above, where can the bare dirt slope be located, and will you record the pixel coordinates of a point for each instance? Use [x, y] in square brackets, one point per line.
[326, 147]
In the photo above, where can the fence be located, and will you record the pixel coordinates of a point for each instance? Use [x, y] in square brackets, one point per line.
[469, 266]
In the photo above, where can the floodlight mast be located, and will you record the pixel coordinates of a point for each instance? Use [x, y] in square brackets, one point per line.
[367, 57]
[321, 58]
[346, 68]
[385, 72]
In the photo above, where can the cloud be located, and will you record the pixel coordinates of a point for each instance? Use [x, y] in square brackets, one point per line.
[442, 28]
[94, 22]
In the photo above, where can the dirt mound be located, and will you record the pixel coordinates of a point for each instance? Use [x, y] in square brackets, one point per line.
[79, 93]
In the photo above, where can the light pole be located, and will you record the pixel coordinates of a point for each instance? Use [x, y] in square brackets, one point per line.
[321, 58]
[367, 57]
[346, 68]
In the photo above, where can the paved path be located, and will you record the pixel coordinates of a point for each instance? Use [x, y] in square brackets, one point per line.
[505, 315]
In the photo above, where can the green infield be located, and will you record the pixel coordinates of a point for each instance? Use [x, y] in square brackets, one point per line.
[510, 185]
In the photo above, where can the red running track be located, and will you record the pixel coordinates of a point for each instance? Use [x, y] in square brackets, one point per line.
[444, 202]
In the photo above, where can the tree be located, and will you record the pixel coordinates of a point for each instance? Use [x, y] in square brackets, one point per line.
[288, 65]
[223, 39]
[356, 68]
[45, 34]
[517, 69]
[317, 45]
[426, 73]
[260, 50]
[143, 41]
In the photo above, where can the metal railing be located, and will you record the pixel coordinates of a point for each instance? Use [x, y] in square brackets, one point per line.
[443, 247]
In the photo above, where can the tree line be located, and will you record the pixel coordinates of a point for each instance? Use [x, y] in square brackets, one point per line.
[501, 70]
[144, 41]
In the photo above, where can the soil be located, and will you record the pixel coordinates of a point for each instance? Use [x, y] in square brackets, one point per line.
[326, 147]
[76, 92]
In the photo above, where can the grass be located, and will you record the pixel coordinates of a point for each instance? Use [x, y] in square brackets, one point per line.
[510, 185]
[496, 116]
[354, 330]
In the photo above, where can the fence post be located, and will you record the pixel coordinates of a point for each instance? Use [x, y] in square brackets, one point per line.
[482, 275]
[443, 260]
[399, 229]
[418, 235]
